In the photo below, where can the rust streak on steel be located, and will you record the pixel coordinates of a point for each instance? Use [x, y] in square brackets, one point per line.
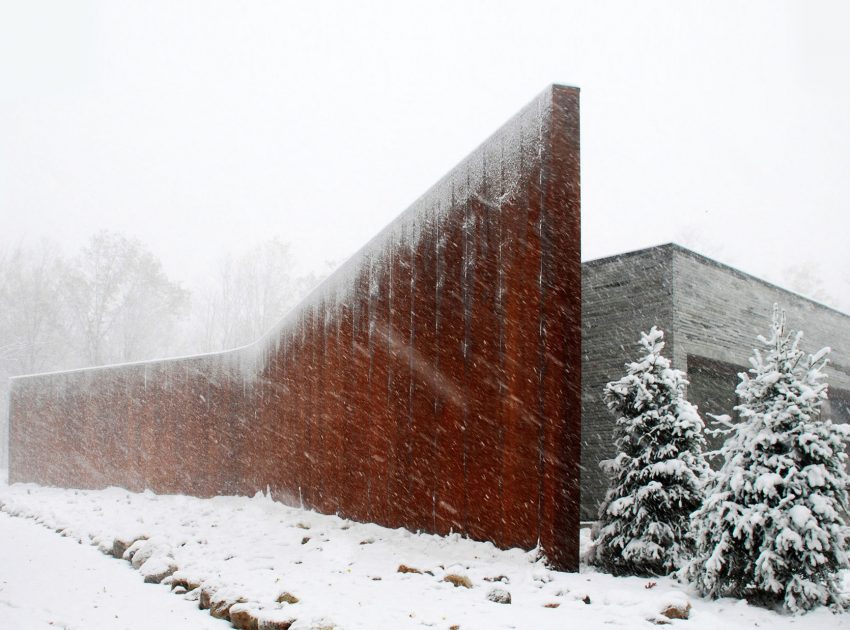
[432, 382]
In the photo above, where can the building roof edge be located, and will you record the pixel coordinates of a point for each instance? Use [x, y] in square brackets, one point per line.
[675, 247]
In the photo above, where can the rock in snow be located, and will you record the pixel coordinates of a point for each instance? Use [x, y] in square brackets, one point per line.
[157, 569]
[499, 595]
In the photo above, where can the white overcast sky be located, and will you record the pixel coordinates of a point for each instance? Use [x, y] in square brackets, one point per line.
[200, 127]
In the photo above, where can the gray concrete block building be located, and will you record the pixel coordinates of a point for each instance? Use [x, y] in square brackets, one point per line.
[711, 315]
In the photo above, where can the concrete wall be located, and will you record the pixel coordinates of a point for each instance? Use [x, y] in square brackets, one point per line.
[621, 296]
[433, 382]
[719, 312]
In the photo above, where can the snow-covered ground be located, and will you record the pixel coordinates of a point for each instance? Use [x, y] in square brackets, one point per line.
[49, 582]
[343, 574]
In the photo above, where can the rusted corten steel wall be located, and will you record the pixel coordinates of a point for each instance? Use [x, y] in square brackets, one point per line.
[433, 382]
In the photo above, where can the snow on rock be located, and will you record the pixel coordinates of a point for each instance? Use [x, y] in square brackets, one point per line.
[244, 617]
[242, 559]
[499, 596]
[122, 543]
[156, 569]
[674, 605]
[143, 550]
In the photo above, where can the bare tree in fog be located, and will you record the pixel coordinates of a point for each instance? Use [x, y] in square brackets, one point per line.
[112, 302]
[805, 278]
[32, 332]
[249, 293]
[122, 306]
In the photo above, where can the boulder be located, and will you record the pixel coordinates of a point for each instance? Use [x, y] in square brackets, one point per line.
[274, 620]
[141, 551]
[243, 617]
[205, 598]
[156, 569]
[677, 610]
[458, 580]
[121, 544]
[287, 598]
[221, 603]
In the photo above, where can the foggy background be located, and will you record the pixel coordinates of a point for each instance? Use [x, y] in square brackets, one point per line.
[174, 175]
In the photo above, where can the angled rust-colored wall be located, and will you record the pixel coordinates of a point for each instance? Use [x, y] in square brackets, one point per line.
[433, 382]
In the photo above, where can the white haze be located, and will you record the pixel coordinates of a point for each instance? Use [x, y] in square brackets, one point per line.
[204, 127]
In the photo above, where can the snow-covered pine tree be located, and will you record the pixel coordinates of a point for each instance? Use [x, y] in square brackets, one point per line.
[658, 473]
[772, 530]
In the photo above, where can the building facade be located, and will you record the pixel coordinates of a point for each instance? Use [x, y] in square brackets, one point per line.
[711, 315]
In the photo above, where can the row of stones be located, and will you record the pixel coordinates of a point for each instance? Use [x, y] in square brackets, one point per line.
[238, 611]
